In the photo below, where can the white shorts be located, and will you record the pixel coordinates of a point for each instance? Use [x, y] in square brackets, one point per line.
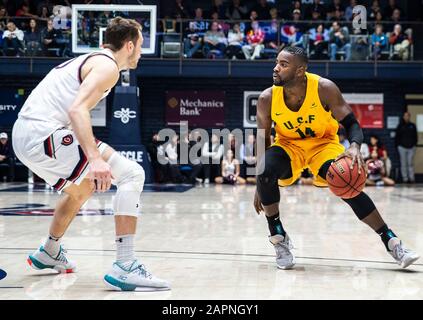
[58, 159]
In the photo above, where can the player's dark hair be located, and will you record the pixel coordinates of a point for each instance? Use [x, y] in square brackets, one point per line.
[300, 53]
[119, 31]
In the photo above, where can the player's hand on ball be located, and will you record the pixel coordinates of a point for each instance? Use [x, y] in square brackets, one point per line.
[101, 174]
[353, 152]
[257, 203]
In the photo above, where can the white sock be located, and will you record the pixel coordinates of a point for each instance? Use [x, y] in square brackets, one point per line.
[52, 246]
[125, 250]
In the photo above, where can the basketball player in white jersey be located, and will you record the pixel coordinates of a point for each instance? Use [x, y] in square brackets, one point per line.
[53, 137]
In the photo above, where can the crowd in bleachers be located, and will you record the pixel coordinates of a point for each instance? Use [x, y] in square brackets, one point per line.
[259, 29]
[230, 29]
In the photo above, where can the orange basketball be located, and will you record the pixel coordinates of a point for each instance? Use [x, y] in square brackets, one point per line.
[343, 181]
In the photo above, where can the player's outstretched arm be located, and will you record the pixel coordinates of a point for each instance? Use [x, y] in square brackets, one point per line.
[332, 99]
[264, 127]
[100, 77]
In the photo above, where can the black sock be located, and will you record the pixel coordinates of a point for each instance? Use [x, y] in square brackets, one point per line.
[386, 234]
[275, 225]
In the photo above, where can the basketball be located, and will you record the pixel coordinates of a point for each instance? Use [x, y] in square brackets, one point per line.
[345, 182]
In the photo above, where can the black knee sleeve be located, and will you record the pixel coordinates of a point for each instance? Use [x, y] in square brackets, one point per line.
[324, 168]
[277, 166]
[362, 205]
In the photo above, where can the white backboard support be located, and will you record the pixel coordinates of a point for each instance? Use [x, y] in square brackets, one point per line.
[88, 28]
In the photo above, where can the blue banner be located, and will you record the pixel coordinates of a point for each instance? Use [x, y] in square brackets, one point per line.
[125, 127]
[11, 102]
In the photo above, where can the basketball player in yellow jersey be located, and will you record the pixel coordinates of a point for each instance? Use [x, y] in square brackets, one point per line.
[306, 109]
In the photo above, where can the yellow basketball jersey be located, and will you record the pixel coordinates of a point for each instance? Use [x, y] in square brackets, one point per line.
[309, 124]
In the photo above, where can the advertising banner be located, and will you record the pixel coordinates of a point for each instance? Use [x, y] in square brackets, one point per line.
[199, 108]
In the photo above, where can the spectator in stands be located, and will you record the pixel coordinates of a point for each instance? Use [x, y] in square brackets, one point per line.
[396, 16]
[406, 142]
[291, 36]
[235, 42]
[379, 41]
[50, 38]
[270, 29]
[215, 42]
[296, 18]
[336, 5]
[315, 6]
[338, 16]
[318, 42]
[6, 158]
[375, 8]
[192, 41]
[339, 39]
[45, 3]
[401, 43]
[219, 7]
[262, 8]
[376, 144]
[378, 18]
[349, 10]
[230, 173]
[24, 12]
[314, 21]
[10, 6]
[180, 10]
[199, 24]
[287, 13]
[32, 39]
[212, 154]
[44, 15]
[255, 39]
[3, 18]
[223, 26]
[12, 40]
[236, 11]
[376, 172]
[389, 9]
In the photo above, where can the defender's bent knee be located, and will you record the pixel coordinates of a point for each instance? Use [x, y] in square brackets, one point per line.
[129, 177]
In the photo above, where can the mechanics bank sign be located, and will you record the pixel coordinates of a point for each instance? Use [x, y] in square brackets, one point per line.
[199, 108]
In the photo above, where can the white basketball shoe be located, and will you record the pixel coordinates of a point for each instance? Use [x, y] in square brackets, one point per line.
[40, 259]
[283, 245]
[133, 278]
[403, 256]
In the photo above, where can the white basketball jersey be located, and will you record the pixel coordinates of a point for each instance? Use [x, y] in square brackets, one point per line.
[49, 103]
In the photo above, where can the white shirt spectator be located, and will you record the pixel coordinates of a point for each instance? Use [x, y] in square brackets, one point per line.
[216, 153]
[172, 153]
[235, 39]
[15, 34]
